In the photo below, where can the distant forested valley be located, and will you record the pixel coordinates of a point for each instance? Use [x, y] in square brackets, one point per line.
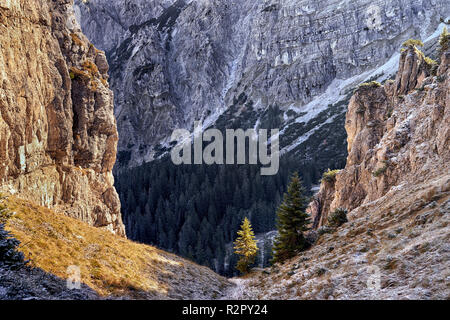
[196, 210]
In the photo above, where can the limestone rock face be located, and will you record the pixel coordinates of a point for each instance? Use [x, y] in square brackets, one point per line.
[412, 70]
[58, 135]
[398, 135]
[321, 204]
[174, 62]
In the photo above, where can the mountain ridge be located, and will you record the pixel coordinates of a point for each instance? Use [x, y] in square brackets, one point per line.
[216, 59]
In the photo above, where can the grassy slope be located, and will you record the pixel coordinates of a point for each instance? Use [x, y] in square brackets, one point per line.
[109, 264]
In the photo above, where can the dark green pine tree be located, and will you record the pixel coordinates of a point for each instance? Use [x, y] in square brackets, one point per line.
[292, 221]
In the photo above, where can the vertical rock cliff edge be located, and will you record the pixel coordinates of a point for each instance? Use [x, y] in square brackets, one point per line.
[58, 134]
[397, 135]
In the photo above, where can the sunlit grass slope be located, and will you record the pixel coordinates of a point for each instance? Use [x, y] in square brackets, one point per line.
[109, 264]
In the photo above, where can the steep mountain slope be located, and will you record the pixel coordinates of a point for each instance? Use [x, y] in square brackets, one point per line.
[402, 235]
[110, 266]
[396, 186]
[58, 135]
[173, 62]
[397, 134]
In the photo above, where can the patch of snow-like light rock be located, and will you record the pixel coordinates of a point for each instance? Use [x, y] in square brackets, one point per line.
[234, 68]
[437, 32]
[336, 92]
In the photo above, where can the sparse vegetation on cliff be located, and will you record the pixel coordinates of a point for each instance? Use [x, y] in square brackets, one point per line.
[444, 39]
[431, 64]
[330, 175]
[412, 43]
[76, 40]
[381, 170]
[371, 84]
[91, 68]
[88, 72]
[76, 73]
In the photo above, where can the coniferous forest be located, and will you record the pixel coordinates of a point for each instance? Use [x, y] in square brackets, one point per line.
[196, 210]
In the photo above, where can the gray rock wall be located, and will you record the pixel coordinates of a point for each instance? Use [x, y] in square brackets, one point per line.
[173, 62]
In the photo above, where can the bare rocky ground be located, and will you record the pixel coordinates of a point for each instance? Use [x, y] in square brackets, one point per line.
[404, 235]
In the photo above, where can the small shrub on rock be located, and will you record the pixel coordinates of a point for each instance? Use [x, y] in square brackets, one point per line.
[337, 218]
[444, 40]
[412, 43]
[380, 171]
[330, 175]
[371, 84]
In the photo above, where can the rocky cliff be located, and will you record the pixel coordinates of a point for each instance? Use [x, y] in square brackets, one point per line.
[227, 62]
[58, 135]
[398, 134]
[396, 187]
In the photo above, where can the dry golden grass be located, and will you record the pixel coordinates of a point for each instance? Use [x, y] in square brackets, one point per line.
[109, 264]
[76, 40]
[90, 67]
[89, 72]
[77, 73]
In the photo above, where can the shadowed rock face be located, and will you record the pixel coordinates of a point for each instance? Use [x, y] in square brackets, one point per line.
[173, 62]
[320, 204]
[58, 135]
